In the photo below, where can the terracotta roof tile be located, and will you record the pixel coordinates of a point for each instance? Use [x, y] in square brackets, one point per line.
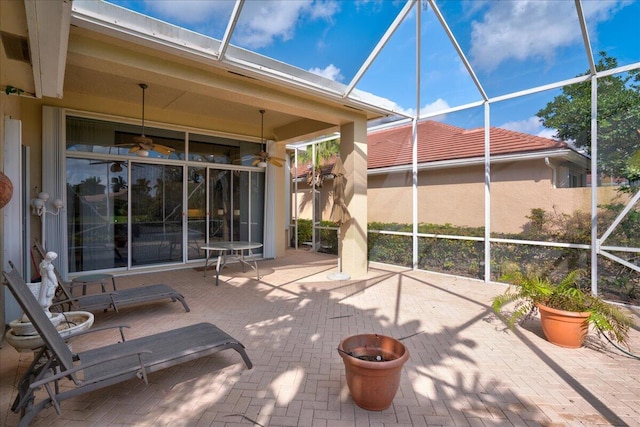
[439, 141]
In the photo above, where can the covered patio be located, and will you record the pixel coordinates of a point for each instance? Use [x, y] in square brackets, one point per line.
[465, 368]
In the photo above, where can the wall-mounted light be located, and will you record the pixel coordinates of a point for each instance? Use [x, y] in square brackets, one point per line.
[39, 206]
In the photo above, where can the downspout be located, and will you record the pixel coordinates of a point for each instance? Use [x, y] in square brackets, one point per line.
[554, 175]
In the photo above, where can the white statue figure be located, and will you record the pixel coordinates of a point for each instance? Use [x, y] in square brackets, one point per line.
[49, 282]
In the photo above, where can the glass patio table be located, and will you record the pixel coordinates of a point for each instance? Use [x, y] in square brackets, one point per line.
[231, 250]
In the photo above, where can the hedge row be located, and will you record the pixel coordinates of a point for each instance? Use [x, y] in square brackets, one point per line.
[466, 257]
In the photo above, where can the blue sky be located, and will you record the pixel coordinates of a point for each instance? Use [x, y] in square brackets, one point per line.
[511, 45]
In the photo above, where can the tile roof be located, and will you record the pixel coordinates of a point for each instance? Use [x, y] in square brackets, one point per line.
[439, 141]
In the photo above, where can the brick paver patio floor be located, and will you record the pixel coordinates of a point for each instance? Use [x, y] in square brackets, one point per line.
[465, 368]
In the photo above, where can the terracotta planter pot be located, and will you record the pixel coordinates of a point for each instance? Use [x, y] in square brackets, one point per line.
[373, 384]
[6, 190]
[564, 328]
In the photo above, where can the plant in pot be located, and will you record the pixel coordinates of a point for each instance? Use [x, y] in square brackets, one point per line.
[566, 311]
[373, 365]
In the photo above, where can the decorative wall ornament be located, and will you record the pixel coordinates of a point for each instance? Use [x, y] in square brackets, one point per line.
[6, 190]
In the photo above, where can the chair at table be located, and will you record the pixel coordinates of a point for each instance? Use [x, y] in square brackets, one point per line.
[107, 299]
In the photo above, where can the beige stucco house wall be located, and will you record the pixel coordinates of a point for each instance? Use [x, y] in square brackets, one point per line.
[456, 196]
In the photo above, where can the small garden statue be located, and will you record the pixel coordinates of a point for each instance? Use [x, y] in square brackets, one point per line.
[48, 284]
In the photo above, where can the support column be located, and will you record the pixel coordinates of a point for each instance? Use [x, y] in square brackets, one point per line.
[353, 152]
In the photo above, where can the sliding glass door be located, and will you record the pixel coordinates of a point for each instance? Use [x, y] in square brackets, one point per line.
[156, 214]
[197, 212]
[125, 210]
[97, 221]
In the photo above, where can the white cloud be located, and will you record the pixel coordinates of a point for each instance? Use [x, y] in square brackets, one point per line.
[530, 29]
[262, 23]
[324, 9]
[548, 133]
[438, 105]
[330, 72]
[191, 11]
[532, 126]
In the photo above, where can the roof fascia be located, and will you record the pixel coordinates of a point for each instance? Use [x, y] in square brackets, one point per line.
[566, 154]
[48, 26]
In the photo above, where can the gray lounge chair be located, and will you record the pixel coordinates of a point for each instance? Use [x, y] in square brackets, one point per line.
[90, 370]
[107, 299]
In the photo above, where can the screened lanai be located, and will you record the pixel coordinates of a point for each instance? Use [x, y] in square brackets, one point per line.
[505, 132]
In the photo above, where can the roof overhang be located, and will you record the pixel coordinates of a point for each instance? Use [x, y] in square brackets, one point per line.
[564, 154]
[121, 23]
[48, 25]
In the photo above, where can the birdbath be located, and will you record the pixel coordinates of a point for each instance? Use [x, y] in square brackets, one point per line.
[71, 322]
[22, 334]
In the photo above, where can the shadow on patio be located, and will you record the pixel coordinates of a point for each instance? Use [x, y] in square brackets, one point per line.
[465, 367]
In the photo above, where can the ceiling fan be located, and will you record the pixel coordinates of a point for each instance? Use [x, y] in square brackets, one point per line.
[142, 144]
[115, 165]
[262, 157]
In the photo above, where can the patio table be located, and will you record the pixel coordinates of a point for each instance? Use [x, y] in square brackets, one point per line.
[87, 279]
[231, 250]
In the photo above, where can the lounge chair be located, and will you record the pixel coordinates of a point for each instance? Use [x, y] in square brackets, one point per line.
[107, 299]
[83, 372]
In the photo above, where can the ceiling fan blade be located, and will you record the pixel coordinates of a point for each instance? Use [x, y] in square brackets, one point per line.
[134, 149]
[280, 159]
[274, 161]
[162, 149]
[255, 162]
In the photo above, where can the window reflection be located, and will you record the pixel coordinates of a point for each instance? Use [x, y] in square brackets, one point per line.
[97, 206]
[156, 214]
[124, 210]
[197, 212]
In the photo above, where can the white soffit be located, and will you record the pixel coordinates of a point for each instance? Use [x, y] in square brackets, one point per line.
[119, 22]
[48, 24]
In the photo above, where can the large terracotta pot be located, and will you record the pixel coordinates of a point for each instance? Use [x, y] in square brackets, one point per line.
[373, 383]
[564, 328]
[6, 190]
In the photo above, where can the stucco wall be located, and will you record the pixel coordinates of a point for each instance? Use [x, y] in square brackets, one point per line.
[456, 196]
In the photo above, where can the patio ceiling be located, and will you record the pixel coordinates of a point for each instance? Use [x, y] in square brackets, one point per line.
[97, 58]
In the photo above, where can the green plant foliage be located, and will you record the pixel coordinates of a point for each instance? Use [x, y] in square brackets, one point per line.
[327, 238]
[466, 257]
[526, 290]
[618, 116]
[390, 249]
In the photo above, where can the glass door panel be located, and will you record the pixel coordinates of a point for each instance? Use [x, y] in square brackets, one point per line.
[240, 205]
[257, 208]
[96, 214]
[197, 212]
[156, 214]
[220, 208]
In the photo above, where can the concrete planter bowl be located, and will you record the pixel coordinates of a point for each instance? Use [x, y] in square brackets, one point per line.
[373, 365]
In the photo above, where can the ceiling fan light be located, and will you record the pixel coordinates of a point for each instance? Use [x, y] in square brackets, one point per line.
[262, 164]
[142, 153]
